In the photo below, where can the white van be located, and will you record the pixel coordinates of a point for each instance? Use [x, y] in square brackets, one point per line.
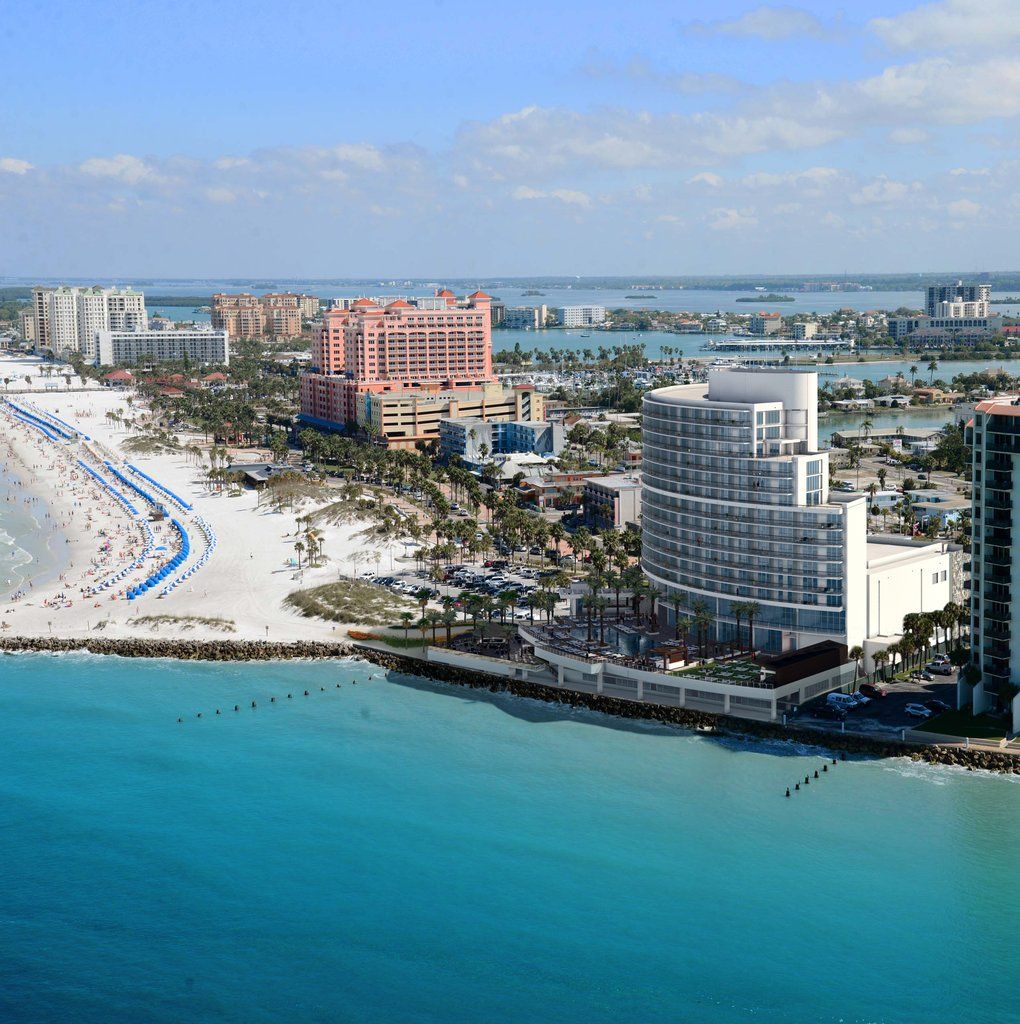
[842, 700]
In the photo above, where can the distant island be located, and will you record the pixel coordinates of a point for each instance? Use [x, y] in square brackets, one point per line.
[637, 296]
[771, 297]
[531, 291]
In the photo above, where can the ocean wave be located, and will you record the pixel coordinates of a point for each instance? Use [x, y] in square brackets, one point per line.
[938, 774]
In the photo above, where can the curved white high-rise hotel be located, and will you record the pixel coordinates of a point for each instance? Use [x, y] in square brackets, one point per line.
[736, 507]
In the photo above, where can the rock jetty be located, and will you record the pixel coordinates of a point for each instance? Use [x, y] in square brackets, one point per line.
[701, 721]
[182, 650]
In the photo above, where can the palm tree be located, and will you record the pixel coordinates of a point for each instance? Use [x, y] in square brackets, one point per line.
[423, 625]
[683, 629]
[892, 652]
[449, 617]
[932, 367]
[752, 610]
[739, 609]
[702, 620]
[676, 600]
[855, 654]
[299, 548]
[422, 597]
[880, 658]
[913, 374]
[872, 490]
[406, 619]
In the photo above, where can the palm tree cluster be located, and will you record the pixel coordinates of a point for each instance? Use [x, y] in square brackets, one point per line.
[920, 633]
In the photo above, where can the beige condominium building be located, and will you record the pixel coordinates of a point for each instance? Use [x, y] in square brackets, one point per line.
[403, 418]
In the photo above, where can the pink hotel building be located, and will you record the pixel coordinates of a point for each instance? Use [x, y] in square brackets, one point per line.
[373, 350]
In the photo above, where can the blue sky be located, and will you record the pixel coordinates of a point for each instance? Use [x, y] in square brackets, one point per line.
[447, 138]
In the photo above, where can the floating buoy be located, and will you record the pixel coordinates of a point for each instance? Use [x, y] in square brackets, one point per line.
[787, 791]
[816, 773]
[797, 787]
[179, 720]
[272, 700]
[289, 695]
[253, 704]
[833, 760]
[807, 781]
[306, 693]
[237, 707]
[322, 689]
[217, 711]
[199, 715]
[825, 767]
[338, 686]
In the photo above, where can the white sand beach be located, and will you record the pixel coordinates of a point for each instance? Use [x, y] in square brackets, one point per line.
[244, 581]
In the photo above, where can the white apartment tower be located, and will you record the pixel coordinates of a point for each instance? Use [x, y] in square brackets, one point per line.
[62, 321]
[736, 508]
[67, 318]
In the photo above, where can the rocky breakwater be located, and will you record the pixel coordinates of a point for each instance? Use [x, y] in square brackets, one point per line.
[181, 650]
[700, 721]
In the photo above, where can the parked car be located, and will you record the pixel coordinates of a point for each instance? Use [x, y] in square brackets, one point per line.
[940, 668]
[861, 697]
[922, 673]
[832, 711]
[917, 711]
[937, 707]
[841, 700]
[874, 690]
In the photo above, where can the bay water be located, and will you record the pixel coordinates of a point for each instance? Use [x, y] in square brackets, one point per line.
[401, 851]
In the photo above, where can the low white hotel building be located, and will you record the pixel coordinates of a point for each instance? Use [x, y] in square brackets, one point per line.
[200, 345]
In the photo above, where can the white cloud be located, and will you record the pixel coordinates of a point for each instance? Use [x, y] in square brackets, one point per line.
[908, 136]
[952, 25]
[220, 195]
[881, 190]
[128, 169]
[769, 22]
[687, 83]
[362, 155]
[706, 178]
[12, 165]
[942, 90]
[811, 176]
[571, 197]
[730, 219]
[964, 208]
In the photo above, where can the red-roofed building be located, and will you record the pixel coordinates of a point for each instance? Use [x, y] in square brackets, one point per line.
[118, 379]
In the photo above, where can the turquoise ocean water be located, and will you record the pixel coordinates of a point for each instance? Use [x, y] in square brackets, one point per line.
[403, 852]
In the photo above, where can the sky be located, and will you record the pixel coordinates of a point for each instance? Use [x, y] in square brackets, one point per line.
[444, 138]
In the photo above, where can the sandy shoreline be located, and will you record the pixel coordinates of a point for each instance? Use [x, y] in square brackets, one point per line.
[246, 578]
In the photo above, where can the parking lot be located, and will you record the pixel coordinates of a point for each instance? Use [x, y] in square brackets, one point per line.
[885, 714]
[483, 581]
